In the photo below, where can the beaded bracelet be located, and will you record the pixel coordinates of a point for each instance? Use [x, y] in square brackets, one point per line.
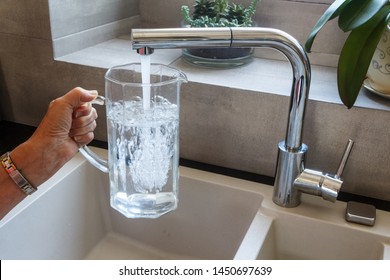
[15, 175]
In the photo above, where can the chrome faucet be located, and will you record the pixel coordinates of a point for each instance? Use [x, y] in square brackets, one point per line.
[291, 177]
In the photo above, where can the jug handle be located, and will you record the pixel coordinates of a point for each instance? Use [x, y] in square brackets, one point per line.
[93, 158]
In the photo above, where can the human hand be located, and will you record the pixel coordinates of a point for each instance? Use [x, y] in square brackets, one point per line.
[68, 124]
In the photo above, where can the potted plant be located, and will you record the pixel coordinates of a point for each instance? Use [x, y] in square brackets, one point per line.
[366, 20]
[218, 13]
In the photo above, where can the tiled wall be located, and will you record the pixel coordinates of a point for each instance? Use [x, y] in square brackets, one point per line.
[240, 129]
[74, 23]
[30, 78]
[25, 49]
[86, 14]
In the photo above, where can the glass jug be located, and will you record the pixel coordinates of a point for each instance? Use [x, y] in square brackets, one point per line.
[143, 139]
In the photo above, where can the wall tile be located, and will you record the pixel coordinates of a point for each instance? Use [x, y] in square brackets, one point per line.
[229, 127]
[71, 16]
[240, 129]
[28, 18]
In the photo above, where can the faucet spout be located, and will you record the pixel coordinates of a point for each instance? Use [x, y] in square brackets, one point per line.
[145, 51]
[245, 37]
[291, 149]
[177, 38]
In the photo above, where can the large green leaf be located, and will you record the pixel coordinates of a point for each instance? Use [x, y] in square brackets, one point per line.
[356, 55]
[356, 13]
[333, 11]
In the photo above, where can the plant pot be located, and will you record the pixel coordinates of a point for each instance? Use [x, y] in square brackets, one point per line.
[218, 57]
[378, 75]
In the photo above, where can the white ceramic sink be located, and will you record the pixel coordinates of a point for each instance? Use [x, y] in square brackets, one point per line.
[70, 218]
[218, 218]
[315, 230]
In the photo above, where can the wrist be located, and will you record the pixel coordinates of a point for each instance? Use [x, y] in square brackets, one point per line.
[14, 173]
[28, 160]
[38, 159]
[10, 193]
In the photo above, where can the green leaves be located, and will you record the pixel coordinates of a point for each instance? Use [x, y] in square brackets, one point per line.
[356, 55]
[219, 13]
[359, 12]
[332, 12]
[366, 19]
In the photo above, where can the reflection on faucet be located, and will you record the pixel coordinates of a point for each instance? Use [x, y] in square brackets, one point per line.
[288, 183]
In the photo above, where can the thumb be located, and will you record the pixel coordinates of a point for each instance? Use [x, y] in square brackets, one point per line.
[78, 96]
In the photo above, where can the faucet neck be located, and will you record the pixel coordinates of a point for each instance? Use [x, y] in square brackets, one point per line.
[252, 37]
[178, 38]
[291, 151]
[290, 47]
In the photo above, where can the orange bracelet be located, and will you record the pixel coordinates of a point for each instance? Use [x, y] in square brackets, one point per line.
[15, 175]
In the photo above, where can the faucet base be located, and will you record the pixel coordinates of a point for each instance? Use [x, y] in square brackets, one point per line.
[290, 165]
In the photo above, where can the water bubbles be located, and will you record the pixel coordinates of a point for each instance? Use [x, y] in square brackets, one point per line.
[145, 143]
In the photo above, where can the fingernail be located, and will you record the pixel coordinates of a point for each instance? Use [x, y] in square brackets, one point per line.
[93, 92]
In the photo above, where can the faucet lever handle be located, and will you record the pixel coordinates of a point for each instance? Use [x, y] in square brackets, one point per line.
[323, 184]
[344, 159]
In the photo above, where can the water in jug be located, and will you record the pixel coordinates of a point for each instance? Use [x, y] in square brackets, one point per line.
[143, 139]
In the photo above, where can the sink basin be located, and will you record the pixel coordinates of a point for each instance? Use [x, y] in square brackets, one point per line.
[70, 218]
[218, 217]
[294, 237]
[315, 230]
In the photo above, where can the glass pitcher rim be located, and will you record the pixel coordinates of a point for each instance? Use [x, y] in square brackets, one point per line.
[182, 77]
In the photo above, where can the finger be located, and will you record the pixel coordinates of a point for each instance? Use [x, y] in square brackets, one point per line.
[83, 110]
[84, 139]
[84, 120]
[83, 130]
[78, 96]
[90, 127]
